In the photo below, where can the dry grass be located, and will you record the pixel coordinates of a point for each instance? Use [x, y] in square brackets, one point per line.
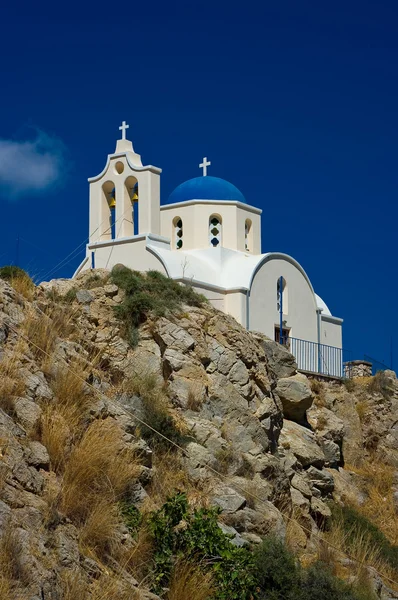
[62, 418]
[98, 467]
[24, 286]
[379, 506]
[170, 476]
[109, 587]
[11, 383]
[318, 389]
[362, 408]
[73, 586]
[100, 534]
[137, 559]
[363, 553]
[195, 399]
[56, 433]
[96, 474]
[42, 330]
[11, 567]
[225, 458]
[188, 580]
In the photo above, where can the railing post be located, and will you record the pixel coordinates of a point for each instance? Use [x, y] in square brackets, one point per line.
[281, 309]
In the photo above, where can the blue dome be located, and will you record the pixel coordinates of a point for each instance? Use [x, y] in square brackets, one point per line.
[206, 188]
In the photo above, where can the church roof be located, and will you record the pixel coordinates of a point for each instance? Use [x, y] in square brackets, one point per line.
[206, 188]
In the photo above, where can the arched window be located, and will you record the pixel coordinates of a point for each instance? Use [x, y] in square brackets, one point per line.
[178, 233]
[248, 235]
[215, 230]
[282, 295]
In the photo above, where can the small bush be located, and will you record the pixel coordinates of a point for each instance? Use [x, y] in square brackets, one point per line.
[195, 536]
[276, 570]
[280, 577]
[150, 292]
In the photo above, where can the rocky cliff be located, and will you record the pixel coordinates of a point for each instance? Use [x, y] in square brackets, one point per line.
[95, 418]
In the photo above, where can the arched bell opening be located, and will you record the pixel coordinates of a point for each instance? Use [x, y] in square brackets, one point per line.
[178, 233]
[248, 236]
[215, 230]
[131, 189]
[108, 211]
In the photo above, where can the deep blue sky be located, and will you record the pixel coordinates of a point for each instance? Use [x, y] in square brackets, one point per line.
[293, 102]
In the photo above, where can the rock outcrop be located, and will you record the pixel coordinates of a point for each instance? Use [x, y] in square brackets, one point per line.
[258, 439]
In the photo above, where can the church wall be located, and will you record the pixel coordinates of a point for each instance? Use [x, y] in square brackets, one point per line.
[195, 218]
[236, 305]
[242, 216]
[331, 332]
[301, 317]
[217, 299]
[131, 254]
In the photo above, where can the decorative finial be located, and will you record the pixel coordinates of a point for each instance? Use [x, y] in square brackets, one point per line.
[123, 128]
[204, 166]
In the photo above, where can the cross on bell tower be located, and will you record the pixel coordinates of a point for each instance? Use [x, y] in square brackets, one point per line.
[123, 127]
[204, 166]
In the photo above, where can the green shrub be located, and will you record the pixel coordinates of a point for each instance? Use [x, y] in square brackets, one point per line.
[195, 535]
[317, 583]
[131, 516]
[277, 572]
[150, 292]
[10, 272]
[280, 577]
[357, 525]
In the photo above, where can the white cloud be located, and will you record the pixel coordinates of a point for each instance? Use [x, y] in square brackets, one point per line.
[32, 165]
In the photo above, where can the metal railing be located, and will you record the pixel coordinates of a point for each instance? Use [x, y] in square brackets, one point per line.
[316, 358]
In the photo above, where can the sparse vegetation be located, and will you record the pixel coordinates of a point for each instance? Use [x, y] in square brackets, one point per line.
[280, 577]
[195, 535]
[43, 329]
[194, 400]
[157, 412]
[150, 292]
[350, 384]
[225, 458]
[19, 280]
[11, 383]
[189, 580]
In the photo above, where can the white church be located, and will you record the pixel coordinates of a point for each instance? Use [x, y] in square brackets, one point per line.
[207, 235]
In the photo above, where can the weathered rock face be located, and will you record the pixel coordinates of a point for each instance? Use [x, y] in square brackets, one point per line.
[295, 395]
[259, 444]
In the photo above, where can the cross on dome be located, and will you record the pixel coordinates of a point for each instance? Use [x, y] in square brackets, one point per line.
[123, 127]
[204, 166]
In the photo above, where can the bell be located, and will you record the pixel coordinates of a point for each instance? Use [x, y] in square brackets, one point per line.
[112, 203]
[134, 197]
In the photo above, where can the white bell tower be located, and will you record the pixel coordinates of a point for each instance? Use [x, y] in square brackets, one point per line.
[125, 197]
